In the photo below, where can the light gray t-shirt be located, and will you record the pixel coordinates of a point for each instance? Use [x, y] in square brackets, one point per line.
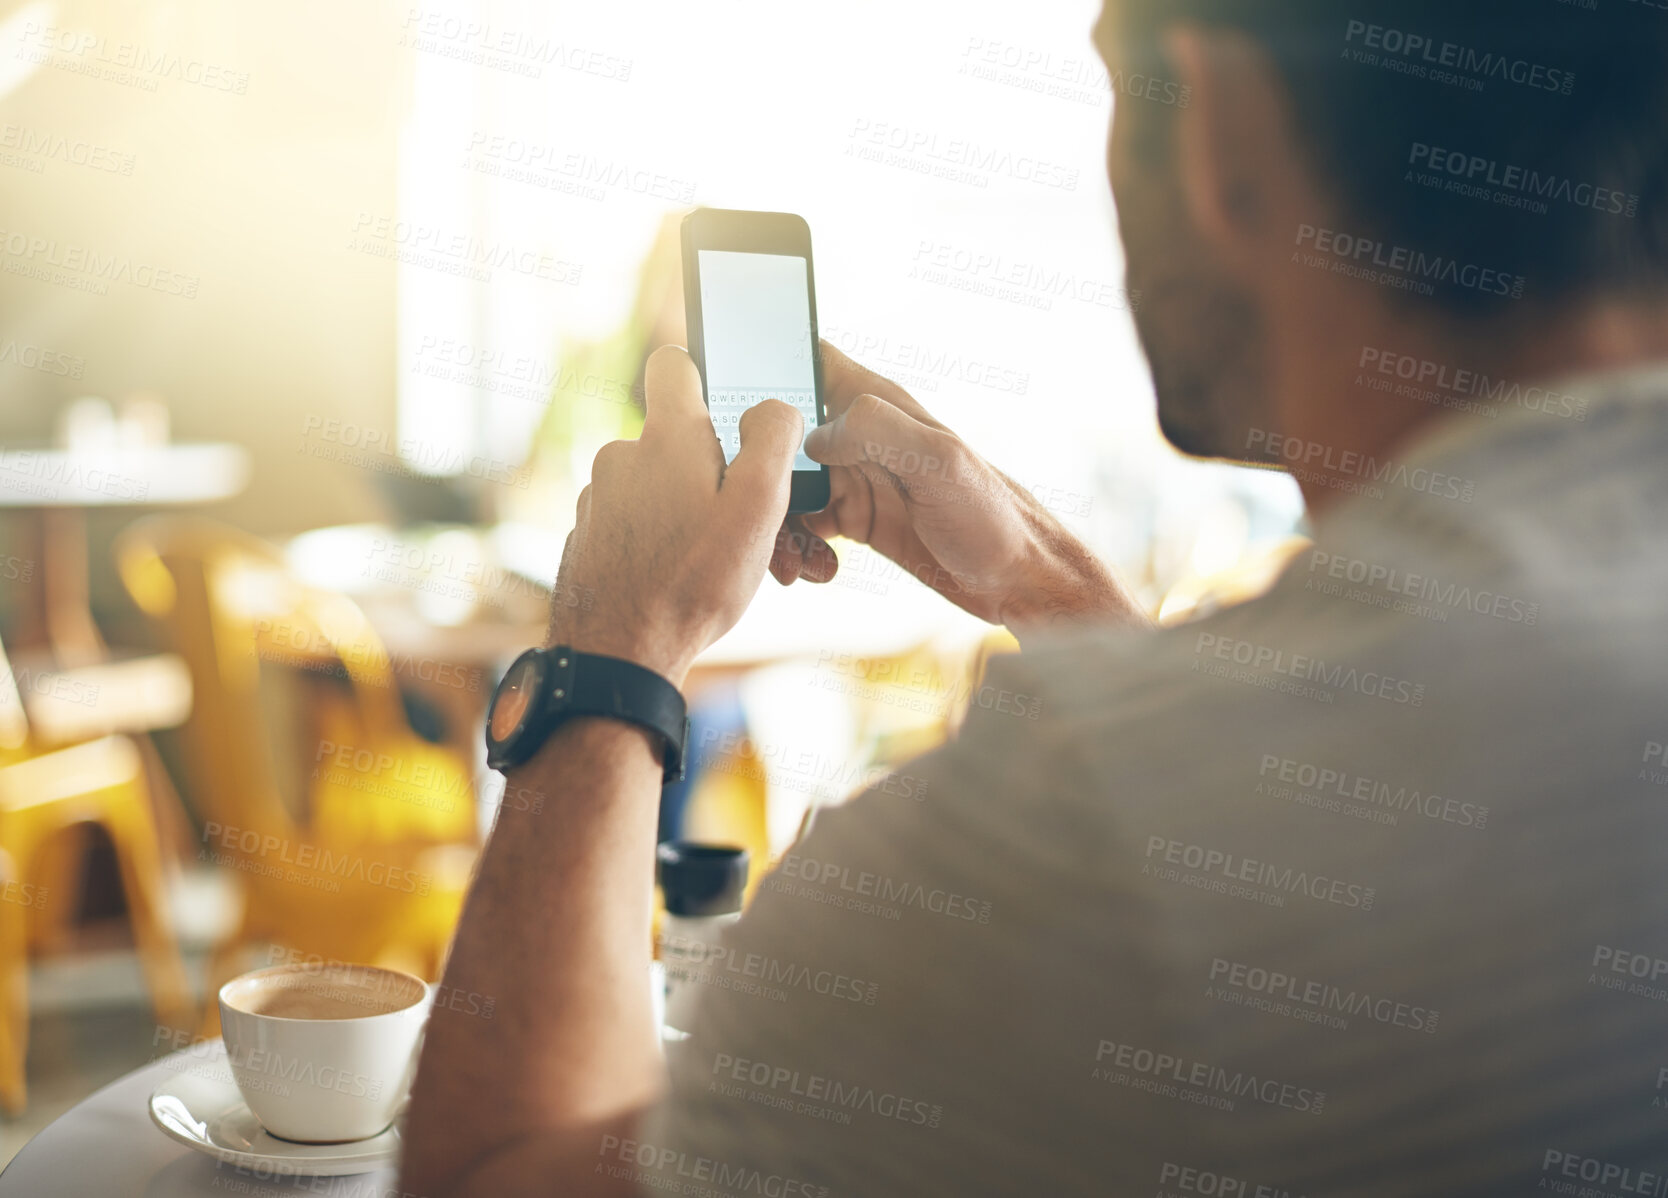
[1360, 888]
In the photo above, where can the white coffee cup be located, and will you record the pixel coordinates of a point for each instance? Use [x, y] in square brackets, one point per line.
[310, 1068]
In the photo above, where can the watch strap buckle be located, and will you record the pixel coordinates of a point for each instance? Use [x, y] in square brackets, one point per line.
[563, 669]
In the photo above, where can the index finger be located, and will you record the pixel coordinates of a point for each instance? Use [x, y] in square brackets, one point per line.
[672, 394]
[843, 380]
[875, 433]
[759, 476]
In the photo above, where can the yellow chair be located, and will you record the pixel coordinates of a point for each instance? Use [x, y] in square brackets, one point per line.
[64, 707]
[906, 705]
[1197, 596]
[44, 794]
[729, 804]
[911, 702]
[14, 994]
[373, 863]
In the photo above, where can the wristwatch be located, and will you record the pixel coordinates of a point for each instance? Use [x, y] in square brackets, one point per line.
[543, 687]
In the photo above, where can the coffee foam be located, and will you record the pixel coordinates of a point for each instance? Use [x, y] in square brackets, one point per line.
[333, 992]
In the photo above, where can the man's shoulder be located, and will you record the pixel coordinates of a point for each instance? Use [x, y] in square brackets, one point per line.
[1302, 641]
[1316, 662]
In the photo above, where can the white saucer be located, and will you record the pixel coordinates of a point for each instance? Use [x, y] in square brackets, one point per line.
[208, 1114]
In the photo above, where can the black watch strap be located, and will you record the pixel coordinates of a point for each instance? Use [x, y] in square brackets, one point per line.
[590, 684]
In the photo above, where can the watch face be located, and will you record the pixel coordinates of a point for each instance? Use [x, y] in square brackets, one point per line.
[515, 698]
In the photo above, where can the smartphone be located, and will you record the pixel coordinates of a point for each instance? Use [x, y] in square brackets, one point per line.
[751, 308]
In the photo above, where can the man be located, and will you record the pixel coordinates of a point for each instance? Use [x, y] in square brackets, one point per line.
[1354, 889]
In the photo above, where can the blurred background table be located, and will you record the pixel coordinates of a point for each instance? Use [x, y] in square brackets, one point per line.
[61, 485]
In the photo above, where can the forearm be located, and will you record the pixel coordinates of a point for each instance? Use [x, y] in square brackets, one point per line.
[555, 936]
[1063, 582]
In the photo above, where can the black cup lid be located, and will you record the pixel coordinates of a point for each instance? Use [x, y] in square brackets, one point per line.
[701, 879]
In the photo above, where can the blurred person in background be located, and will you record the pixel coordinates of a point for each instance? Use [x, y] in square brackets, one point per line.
[1353, 889]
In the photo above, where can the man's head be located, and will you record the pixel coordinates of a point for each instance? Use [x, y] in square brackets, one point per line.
[1462, 172]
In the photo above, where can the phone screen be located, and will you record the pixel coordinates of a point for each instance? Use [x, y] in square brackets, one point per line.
[756, 334]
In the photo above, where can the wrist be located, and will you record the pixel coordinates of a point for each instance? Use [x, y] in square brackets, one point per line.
[670, 661]
[1068, 585]
[620, 740]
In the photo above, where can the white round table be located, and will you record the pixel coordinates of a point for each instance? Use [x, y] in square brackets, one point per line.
[107, 1146]
[161, 475]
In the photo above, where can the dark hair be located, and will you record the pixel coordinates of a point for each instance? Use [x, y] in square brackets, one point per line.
[1529, 137]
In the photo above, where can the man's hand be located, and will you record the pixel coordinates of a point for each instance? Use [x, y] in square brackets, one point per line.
[908, 487]
[669, 544]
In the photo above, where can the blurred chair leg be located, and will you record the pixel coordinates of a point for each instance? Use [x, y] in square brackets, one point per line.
[730, 805]
[14, 1007]
[134, 835]
[224, 964]
[173, 831]
[59, 867]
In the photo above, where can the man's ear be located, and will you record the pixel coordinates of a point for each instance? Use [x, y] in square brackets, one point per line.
[1239, 161]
